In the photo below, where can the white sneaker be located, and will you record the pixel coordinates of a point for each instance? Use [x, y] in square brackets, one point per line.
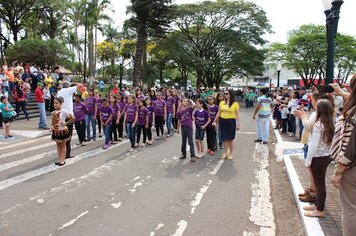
[142, 145]
[131, 150]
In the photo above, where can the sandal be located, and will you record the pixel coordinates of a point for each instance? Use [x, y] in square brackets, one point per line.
[309, 208]
[310, 197]
[62, 164]
[315, 213]
[306, 191]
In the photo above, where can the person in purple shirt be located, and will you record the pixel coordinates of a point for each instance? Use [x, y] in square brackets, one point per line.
[171, 111]
[142, 122]
[120, 126]
[177, 101]
[106, 114]
[160, 114]
[153, 95]
[91, 104]
[202, 120]
[80, 110]
[185, 123]
[151, 115]
[115, 118]
[130, 120]
[211, 129]
[98, 105]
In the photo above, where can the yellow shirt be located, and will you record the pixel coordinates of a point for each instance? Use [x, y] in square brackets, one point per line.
[228, 112]
[49, 81]
[85, 94]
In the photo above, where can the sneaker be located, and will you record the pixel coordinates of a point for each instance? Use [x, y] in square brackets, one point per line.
[182, 157]
[105, 146]
[149, 142]
[142, 145]
[212, 153]
[230, 157]
[258, 141]
[120, 139]
[208, 150]
[193, 159]
[84, 144]
[131, 150]
[265, 142]
[224, 156]
[221, 146]
[157, 138]
[110, 142]
[100, 136]
[136, 145]
[167, 135]
[10, 136]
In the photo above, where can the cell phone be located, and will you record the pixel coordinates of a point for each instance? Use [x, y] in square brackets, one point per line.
[326, 89]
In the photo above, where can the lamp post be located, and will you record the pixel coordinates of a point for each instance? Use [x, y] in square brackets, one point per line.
[85, 42]
[332, 12]
[121, 61]
[279, 68]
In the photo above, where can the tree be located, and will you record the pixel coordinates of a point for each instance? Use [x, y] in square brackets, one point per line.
[306, 50]
[38, 51]
[149, 17]
[108, 52]
[15, 13]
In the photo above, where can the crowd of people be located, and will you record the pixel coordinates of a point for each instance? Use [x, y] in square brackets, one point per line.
[322, 121]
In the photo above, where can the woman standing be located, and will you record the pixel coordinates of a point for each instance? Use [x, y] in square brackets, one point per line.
[60, 133]
[318, 158]
[21, 101]
[120, 126]
[160, 114]
[79, 111]
[344, 153]
[171, 111]
[8, 115]
[229, 122]
[130, 119]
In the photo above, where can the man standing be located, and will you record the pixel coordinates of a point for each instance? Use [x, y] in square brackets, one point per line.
[263, 109]
[67, 94]
[41, 106]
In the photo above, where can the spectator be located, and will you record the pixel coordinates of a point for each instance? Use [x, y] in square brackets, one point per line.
[21, 101]
[264, 111]
[8, 115]
[40, 99]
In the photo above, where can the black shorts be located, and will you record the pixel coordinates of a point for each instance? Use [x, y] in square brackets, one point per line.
[8, 119]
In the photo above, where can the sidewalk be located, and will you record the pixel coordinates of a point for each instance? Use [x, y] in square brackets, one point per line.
[293, 157]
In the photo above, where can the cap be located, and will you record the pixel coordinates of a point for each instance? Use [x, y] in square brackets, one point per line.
[39, 84]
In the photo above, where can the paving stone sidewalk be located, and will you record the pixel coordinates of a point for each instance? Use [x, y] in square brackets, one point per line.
[331, 224]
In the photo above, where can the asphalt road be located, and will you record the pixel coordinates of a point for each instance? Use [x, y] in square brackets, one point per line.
[147, 192]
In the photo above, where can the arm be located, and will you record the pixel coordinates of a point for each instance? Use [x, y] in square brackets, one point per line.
[146, 126]
[125, 117]
[313, 145]
[135, 121]
[206, 124]
[174, 110]
[110, 118]
[165, 112]
[118, 116]
[153, 118]
[101, 120]
[178, 126]
[258, 107]
[217, 117]
[95, 111]
[237, 119]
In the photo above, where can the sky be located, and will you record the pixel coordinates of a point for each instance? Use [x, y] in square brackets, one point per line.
[284, 15]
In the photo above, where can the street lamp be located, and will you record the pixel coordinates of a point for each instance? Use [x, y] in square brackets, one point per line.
[332, 12]
[279, 68]
[121, 61]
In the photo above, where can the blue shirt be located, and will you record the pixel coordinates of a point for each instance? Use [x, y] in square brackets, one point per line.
[265, 109]
[5, 113]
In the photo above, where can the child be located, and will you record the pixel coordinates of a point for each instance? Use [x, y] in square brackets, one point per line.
[142, 122]
[151, 115]
[185, 122]
[91, 104]
[8, 115]
[202, 119]
[106, 115]
[284, 116]
[98, 102]
[160, 114]
[171, 111]
[60, 132]
[211, 129]
[177, 102]
[115, 118]
[130, 119]
[79, 110]
[120, 126]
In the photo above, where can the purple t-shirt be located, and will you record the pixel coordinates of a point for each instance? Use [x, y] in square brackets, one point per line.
[142, 114]
[122, 105]
[99, 103]
[159, 107]
[201, 117]
[176, 102]
[170, 101]
[185, 117]
[150, 109]
[130, 111]
[115, 108]
[79, 111]
[213, 111]
[141, 97]
[105, 113]
[90, 103]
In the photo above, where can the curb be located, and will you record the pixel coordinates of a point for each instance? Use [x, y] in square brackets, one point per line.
[311, 226]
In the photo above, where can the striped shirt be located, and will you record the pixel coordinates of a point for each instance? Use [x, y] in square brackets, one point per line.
[265, 109]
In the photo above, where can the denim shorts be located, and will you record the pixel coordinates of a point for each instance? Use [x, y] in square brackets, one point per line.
[199, 133]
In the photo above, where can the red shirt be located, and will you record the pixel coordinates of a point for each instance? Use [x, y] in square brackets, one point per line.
[39, 95]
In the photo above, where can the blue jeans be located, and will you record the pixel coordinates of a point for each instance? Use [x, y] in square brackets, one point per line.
[169, 122]
[131, 132]
[107, 133]
[263, 128]
[90, 119]
[301, 127]
[42, 109]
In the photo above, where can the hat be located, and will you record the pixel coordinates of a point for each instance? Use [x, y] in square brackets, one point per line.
[39, 84]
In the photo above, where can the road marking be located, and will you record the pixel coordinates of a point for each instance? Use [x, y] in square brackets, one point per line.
[252, 133]
[217, 167]
[44, 170]
[199, 196]
[29, 159]
[182, 225]
[136, 178]
[261, 212]
[160, 225]
[20, 151]
[116, 205]
[71, 222]
[26, 142]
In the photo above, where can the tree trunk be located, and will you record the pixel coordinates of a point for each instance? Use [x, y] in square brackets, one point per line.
[91, 52]
[137, 67]
[144, 61]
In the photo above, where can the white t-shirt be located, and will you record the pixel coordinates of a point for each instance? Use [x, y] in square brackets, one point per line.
[67, 95]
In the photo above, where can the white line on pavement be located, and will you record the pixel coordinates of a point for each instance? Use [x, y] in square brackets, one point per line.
[44, 170]
[33, 148]
[71, 222]
[217, 167]
[182, 225]
[199, 196]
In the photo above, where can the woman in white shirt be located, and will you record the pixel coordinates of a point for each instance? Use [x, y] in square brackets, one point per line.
[318, 158]
[293, 106]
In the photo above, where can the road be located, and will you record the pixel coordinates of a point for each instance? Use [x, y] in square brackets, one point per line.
[147, 192]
